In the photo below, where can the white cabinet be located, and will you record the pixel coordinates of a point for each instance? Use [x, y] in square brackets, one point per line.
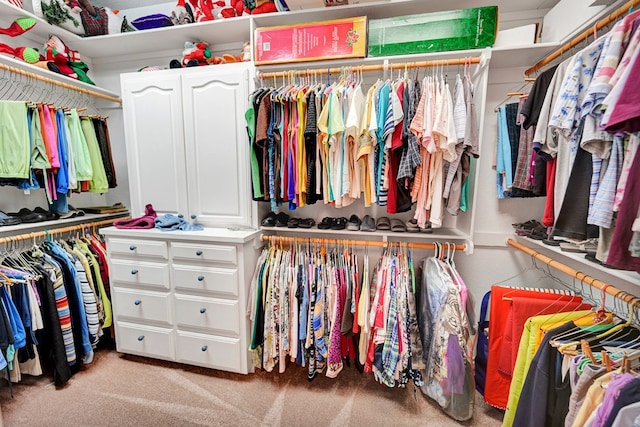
[182, 296]
[187, 146]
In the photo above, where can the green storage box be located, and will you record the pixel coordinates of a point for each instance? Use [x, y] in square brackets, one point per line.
[433, 32]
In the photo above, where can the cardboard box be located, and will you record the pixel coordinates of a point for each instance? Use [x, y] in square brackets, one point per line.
[433, 32]
[312, 41]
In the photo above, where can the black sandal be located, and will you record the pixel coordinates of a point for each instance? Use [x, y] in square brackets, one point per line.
[306, 223]
[269, 220]
[339, 223]
[326, 223]
[293, 223]
[282, 219]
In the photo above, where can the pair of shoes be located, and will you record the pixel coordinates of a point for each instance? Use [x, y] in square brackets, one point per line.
[524, 228]
[354, 223]
[539, 232]
[273, 219]
[28, 217]
[71, 213]
[8, 220]
[300, 223]
[329, 223]
[368, 223]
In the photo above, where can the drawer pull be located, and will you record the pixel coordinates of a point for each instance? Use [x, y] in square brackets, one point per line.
[198, 253]
[134, 271]
[141, 337]
[203, 310]
[204, 348]
[200, 278]
[193, 216]
[132, 248]
[137, 302]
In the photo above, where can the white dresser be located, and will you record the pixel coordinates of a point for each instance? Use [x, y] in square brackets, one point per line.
[182, 296]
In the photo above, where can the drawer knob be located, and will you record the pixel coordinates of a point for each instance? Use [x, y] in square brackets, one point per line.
[134, 271]
[200, 278]
[137, 302]
[141, 337]
[132, 247]
[193, 216]
[180, 216]
[204, 348]
[198, 253]
[203, 310]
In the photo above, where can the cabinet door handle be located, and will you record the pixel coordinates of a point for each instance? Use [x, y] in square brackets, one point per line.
[137, 302]
[200, 278]
[134, 271]
[132, 247]
[198, 252]
[204, 348]
[141, 337]
[193, 216]
[203, 310]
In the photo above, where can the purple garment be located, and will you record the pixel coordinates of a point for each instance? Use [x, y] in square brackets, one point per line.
[625, 116]
[335, 351]
[619, 255]
[144, 222]
[618, 381]
[454, 383]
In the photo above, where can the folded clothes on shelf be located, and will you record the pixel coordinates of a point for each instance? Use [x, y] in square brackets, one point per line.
[115, 208]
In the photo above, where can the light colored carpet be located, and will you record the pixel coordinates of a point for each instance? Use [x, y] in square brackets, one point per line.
[120, 390]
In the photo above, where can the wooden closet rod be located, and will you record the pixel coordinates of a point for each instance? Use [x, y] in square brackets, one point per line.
[584, 278]
[61, 84]
[315, 240]
[621, 11]
[376, 67]
[78, 227]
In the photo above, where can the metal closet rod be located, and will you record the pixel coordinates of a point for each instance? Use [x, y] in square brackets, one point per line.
[621, 11]
[61, 84]
[69, 229]
[367, 68]
[584, 278]
[313, 240]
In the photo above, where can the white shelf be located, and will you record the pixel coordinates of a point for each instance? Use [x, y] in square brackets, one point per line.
[577, 261]
[216, 33]
[21, 65]
[520, 55]
[25, 228]
[437, 234]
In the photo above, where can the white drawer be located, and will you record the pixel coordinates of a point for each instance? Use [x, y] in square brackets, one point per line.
[210, 351]
[145, 340]
[141, 305]
[139, 273]
[133, 247]
[208, 313]
[206, 279]
[204, 252]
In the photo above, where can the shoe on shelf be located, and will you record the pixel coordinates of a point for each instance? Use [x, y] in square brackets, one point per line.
[582, 246]
[282, 219]
[49, 215]
[28, 216]
[293, 223]
[397, 225]
[269, 220]
[306, 223]
[383, 223]
[354, 223]
[339, 223]
[326, 223]
[412, 226]
[368, 223]
[6, 220]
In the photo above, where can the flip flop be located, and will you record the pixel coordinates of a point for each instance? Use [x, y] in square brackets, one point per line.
[398, 226]
[339, 223]
[383, 223]
[326, 223]
[306, 223]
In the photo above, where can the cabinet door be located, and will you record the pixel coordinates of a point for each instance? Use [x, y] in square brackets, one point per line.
[153, 122]
[217, 145]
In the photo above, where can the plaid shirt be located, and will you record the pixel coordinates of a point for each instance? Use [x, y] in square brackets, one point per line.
[410, 159]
